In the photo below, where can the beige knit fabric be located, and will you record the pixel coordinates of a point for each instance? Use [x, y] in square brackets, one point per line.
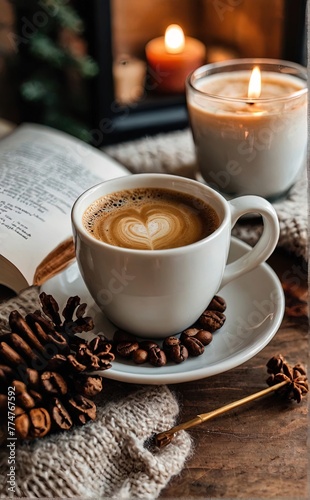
[109, 458]
[174, 153]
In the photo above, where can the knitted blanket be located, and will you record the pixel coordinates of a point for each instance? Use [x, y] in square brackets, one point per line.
[174, 153]
[108, 458]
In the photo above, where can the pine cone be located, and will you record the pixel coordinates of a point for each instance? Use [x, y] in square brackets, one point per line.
[43, 379]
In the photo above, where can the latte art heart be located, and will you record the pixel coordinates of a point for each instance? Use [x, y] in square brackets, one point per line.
[151, 230]
[150, 219]
[146, 229]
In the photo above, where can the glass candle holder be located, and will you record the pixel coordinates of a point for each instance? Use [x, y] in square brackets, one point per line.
[249, 127]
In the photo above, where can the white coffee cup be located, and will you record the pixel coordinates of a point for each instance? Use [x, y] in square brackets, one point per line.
[156, 293]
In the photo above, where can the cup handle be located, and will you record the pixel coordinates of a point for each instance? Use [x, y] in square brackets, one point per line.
[265, 245]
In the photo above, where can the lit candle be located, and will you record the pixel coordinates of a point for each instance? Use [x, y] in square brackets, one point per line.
[249, 124]
[172, 57]
[255, 84]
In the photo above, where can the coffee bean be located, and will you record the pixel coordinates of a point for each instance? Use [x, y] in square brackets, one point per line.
[25, 400]
[204, 336]
[189, 332]
[157, 357]
[40, 422]
[126, 348]
[193, 345]
[211, 320]
[10, 356]
[20, 387]
[60, 415]
[217, 304]
[32, 378]
[147, 344]
[54, 383]
[88, 386]
[170, 342]
[21, 346]
[140, 356]
[81, 408]
[19, 325]
[177, 353]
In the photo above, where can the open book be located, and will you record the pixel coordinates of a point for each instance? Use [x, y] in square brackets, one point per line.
[42, 172]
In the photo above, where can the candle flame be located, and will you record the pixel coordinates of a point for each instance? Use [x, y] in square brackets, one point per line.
[174, 39]
[255, 84]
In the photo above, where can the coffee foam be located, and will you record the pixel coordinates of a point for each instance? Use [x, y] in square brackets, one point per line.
[149, 219]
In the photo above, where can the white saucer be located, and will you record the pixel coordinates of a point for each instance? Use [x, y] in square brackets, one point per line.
[255, 308]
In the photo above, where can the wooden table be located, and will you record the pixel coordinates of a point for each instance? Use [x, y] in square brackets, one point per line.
[258, 450]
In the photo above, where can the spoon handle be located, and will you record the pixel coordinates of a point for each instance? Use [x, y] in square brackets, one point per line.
[164, 438]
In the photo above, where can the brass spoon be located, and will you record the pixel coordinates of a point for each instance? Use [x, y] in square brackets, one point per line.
[165, 437]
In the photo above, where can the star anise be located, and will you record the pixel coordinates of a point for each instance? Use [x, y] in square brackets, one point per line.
[295, 376]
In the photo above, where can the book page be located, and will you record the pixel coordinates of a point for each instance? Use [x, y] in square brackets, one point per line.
[42, 172]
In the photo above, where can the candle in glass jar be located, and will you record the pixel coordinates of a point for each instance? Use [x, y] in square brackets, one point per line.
[172, 57]
[250, 136]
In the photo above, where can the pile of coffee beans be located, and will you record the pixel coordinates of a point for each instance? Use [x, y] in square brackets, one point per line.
[190, 343]
[47, 379]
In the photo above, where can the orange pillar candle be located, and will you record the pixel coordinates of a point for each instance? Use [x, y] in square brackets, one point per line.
[172, 57]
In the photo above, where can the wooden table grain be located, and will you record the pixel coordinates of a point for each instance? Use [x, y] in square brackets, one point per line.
[258, 451]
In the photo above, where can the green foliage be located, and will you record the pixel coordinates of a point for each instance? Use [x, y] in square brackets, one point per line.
[45, 49]
[52, 76]
[66, 16]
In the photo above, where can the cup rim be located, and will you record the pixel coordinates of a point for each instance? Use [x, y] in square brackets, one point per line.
[247, 62]
[76, 219]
